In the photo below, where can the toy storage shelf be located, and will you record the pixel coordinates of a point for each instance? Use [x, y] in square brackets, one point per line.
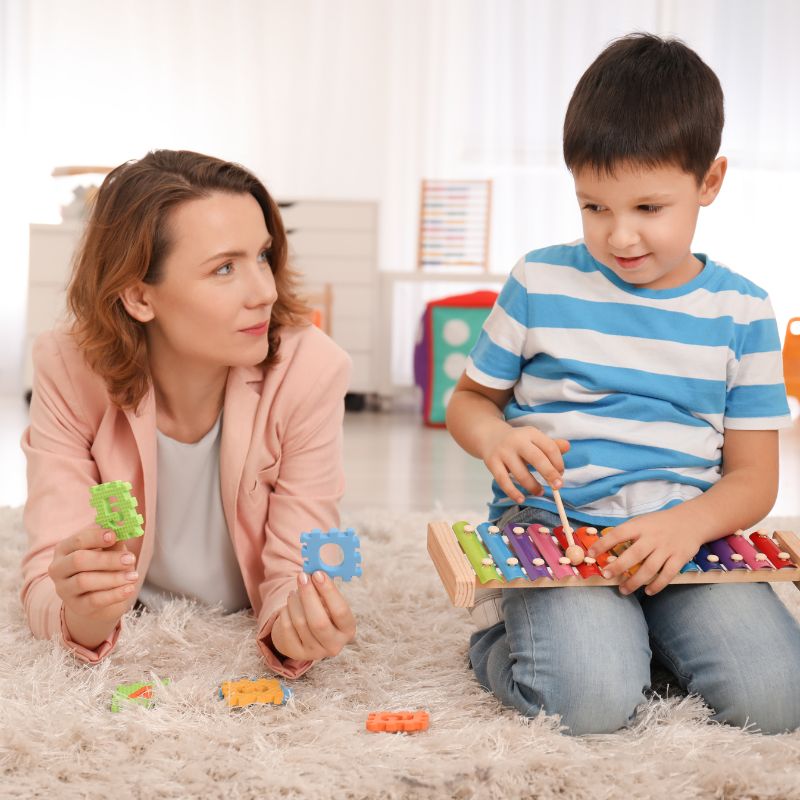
[403, 296]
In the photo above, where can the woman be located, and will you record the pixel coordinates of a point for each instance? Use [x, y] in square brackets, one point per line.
[191, 371]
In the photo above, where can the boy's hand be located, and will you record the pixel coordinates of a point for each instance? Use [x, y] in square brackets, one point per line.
[508, 454]
[94, 575]
[662, 543]
[315, 622]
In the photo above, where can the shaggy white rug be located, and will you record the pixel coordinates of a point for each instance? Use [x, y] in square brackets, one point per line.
[59, 739]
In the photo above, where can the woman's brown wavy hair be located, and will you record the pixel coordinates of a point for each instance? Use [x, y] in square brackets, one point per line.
[126, 240]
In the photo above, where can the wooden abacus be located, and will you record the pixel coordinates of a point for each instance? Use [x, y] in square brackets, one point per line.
[533, 556]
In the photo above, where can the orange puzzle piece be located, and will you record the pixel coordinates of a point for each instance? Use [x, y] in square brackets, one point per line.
[397, 721]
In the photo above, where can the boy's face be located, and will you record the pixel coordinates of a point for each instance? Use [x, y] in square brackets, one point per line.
[640, 221]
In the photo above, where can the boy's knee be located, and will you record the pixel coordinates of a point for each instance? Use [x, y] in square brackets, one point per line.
[489, 656]
[583, 712]
[560, 676]
[762, 707]
[583, 705]
[755, 687]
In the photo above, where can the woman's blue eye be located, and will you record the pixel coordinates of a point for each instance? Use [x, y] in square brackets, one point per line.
[592, 207]
[226, 269]
[651, 209]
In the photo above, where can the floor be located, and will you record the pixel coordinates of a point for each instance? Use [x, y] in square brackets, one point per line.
[391, 461]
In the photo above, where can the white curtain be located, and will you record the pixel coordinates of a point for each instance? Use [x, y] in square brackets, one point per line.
[364, 98]
[14, 58]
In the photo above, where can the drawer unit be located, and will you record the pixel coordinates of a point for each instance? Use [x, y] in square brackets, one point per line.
[51, 250]
[335, 243]
[327, 215]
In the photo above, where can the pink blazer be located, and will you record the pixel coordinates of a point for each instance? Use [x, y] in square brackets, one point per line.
[280, 470]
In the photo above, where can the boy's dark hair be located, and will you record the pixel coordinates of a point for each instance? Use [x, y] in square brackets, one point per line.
[647, 100]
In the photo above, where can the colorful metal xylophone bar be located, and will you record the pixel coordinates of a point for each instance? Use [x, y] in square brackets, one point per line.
[528, 557]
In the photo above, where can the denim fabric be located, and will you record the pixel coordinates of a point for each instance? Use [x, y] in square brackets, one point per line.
[585, 653]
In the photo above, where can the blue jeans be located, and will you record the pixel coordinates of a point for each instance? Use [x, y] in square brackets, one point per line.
[585, 653]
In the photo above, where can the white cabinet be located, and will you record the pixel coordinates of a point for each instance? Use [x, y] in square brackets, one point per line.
[331, 242]
[335, 242]
[51, 251]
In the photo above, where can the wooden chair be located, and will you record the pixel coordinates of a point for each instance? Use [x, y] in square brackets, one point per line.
[321, 303]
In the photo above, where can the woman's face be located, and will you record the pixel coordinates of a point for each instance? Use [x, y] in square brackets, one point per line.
[212, 305]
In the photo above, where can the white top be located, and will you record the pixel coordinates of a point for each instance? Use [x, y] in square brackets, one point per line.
[193, 554]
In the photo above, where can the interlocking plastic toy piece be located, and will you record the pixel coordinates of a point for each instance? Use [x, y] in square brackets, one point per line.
[398, 721]
[346, 540]
[116, 509]
[261, 691]
[140, 694]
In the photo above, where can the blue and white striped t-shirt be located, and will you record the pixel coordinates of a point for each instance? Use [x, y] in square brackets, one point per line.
[641, 382]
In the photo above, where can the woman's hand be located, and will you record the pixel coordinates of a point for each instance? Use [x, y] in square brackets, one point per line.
[662, 543]
[509, 452]
[94, 575]
[315, 622]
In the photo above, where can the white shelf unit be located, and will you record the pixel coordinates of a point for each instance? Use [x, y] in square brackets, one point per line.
[331, 242]
[335, 242]
[50, 260]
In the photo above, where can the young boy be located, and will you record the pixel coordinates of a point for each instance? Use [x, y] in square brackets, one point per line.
[644, 381]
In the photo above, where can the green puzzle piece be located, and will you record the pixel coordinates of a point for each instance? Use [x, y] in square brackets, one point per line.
[116, 509]
[140, 693]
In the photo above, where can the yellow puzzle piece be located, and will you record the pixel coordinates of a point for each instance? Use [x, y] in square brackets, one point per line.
[246, 692]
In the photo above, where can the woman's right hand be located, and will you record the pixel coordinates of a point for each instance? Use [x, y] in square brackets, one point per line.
[94, 575]
[509, 452]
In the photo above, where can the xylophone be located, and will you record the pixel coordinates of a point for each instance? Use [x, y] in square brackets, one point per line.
[533, 556]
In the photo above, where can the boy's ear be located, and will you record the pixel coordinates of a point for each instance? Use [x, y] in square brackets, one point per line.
[137, 302]
[712, 183]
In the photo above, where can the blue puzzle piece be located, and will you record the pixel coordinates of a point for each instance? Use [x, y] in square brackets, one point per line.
[347, 540]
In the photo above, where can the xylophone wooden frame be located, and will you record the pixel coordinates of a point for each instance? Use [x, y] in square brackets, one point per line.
[460, 580]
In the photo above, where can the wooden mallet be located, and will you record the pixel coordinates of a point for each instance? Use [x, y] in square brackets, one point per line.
[574, 553]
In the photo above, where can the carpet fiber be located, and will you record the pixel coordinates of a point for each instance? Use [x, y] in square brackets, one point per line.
[59, 739]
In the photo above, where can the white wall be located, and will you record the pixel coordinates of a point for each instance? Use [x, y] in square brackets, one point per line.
[363, 98]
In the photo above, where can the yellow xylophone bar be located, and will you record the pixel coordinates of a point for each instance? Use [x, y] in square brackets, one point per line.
[460, 580]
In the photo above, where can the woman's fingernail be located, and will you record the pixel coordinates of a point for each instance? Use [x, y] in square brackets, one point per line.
[606, 574]
[303, 578]
[128, 558]
[108, 536]
[319, 577]
[131, 576]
